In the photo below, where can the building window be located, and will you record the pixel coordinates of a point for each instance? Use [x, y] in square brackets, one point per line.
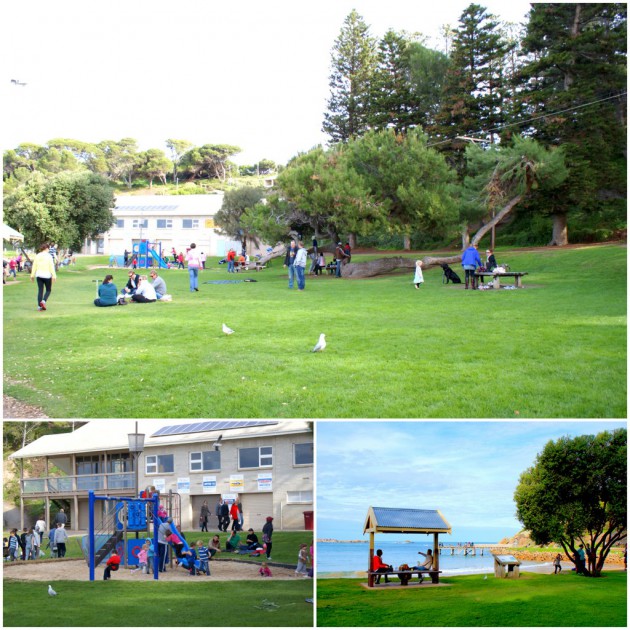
[88, 465]
[141, 223]
[190, 224]
[119, 463]
[120, 223]
[206, 460]
[156, 464]
[300, 496]
[303, 454]
[259, 457]
[165, 224]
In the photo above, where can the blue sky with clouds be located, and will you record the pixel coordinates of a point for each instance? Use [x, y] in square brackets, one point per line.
[467, 470]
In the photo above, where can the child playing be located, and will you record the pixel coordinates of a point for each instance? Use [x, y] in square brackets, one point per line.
[112, 565]
[189, 563]
[150, 555]
[142, 559]
[301, 569]
[418, 278]
[13, 545]
[264, 570]
[204, 557]
[177, 544]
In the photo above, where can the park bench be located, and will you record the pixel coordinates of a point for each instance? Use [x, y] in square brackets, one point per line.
[260, 266]
[517, 275]
[435, 575]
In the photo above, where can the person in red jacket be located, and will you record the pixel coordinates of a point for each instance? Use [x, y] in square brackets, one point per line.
[234, 513]
[112, 565]
[378, 566]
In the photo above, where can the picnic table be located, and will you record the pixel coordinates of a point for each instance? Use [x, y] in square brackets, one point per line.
[404, 576]
[517, 275]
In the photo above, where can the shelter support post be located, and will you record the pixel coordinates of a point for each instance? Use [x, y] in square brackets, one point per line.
[370, 576]
[436, 554]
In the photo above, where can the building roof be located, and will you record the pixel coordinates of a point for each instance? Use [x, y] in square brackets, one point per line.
[405, 521]
[111, 435]
[168, 205]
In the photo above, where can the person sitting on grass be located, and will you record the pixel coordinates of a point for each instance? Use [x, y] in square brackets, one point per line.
[145, 292]
[107, 293]
[214, 546]
[231, 543]
[158, 284]
[112, 565]
[378, 566]
[251, 542]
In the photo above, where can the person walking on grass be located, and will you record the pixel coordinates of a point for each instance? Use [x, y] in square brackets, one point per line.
[44, 271]
[61, 538]
[418, 278]
[470, 262]
[300, 265]
[267, 533]
[301, 570]
[194, 263]
[289, 261]
[557, 567]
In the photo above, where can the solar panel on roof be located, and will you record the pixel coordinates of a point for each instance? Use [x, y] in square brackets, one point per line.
[218, 425]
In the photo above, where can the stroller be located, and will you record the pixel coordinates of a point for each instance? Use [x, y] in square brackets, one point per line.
[449, 275]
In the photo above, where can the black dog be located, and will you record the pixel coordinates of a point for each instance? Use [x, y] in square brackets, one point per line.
[449, 274]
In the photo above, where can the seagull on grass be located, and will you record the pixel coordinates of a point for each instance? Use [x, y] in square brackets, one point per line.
[227, 330]
[51, 591]
[321, 344]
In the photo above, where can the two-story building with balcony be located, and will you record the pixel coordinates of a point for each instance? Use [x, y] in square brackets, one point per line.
[267, 464]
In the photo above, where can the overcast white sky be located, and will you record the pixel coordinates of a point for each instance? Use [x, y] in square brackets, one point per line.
[467, 470]
[249, 73]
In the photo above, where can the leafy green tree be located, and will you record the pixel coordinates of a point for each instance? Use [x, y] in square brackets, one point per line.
[66, 208]
[353, 61]
[236, 203]
[85, 153]
[210, 160]
[178, 149]
[576, 492]
[154, 163]
[573, 86]
[121, 158]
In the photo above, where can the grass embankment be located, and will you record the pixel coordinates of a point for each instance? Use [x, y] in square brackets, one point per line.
[531, 600]
[555, 349]
[157, 604]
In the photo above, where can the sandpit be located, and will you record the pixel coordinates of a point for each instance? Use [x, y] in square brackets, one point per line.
[61, 569]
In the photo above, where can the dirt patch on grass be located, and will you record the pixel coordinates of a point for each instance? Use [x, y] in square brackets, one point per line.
[61, 569]
[13, 409]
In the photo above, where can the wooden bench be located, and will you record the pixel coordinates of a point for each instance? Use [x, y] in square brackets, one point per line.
[435, 575]
[260, 266]
[517, 275]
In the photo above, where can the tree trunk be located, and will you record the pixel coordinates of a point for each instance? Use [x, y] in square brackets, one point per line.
[560, 234]
[407, 243]
[280, 249]
[352, 239]
[377, 267]
[465, 238]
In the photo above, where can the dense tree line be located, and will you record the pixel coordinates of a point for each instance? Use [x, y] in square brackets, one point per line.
[122, 162]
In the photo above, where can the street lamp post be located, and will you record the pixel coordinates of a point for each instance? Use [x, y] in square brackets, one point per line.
[136, 445]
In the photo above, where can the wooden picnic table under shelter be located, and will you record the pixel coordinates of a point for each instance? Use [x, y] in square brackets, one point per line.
[380, 520]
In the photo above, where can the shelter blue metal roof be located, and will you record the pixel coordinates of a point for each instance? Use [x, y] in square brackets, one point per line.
[399, 520]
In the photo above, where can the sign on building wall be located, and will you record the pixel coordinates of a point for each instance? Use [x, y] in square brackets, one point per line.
[160, 485]
[209, 224]
[209, 484]
[237, 483]
[183, 485]
[264, 482]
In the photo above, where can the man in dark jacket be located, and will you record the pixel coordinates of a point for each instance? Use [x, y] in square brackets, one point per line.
[289, 259]
[225, 517]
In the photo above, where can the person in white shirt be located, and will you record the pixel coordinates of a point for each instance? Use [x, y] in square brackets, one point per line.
[145, 291]
[300, 265]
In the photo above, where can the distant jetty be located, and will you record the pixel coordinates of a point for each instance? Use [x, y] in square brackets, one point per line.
[334, 540]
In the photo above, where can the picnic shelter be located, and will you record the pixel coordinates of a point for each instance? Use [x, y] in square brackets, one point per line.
[380, 520]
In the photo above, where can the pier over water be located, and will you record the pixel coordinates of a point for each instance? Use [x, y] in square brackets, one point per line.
[469, 549]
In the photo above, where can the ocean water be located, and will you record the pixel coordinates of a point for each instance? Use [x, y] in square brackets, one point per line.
[351, 559]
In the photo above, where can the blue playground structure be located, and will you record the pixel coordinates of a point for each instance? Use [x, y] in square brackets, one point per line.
[184, 562]
[145, 251]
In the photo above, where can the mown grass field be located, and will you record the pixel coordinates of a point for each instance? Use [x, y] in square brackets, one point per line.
[159, 604]
[565, 600]
[555, 349]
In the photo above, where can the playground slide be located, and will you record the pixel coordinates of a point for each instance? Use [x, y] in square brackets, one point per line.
[173, 528]
[160, 262]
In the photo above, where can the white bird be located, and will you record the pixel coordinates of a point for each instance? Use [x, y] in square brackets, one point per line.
[321, 344]
[51, 591]
[227, 330]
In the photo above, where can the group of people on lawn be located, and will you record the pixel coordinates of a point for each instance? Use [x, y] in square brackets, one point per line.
[138, 289]
[28, 544]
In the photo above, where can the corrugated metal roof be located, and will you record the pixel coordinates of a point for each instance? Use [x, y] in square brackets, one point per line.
[409, 518]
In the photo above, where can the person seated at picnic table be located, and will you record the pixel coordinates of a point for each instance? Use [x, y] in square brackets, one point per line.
[158, 284]
[378, 566]
[132, 284]
[107, 293]
[427, 565]
[491, 261]
[145, 291]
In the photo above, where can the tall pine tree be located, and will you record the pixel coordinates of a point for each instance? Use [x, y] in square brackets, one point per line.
[574, 89]
[353, 66]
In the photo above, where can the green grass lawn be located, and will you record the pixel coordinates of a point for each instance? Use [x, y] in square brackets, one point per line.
[531, 600]
[162, 604]
[555, 349]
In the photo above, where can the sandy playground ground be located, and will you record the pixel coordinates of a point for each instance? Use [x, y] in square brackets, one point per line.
[222, 570]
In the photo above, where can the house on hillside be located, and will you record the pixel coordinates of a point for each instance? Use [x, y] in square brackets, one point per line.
[170, 220]
[268, 465]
